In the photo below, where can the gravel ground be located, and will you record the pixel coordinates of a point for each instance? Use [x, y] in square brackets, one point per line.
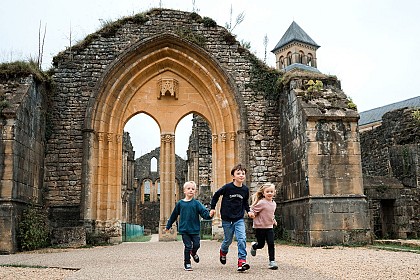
[163, 260]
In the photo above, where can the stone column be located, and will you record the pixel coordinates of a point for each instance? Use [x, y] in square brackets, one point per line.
[87, 177]
[8, 206]
[167, 183]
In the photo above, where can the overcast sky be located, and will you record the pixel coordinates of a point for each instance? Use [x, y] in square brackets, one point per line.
[372, 46]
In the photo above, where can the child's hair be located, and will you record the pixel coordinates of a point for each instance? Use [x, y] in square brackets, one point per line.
[190, 183]
[259, 194]
[237, 167]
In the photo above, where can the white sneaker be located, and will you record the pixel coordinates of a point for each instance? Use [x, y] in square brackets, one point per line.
[187, 267]
[273, 265]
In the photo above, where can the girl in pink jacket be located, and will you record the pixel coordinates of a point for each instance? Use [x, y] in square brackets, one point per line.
[264, 207]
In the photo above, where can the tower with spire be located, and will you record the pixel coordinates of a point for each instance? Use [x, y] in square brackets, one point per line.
[296, 50]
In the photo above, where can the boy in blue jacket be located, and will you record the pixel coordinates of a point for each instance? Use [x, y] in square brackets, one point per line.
[189, 211]
[234, 203]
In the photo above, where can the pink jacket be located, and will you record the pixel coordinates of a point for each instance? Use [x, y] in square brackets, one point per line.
[264, 213]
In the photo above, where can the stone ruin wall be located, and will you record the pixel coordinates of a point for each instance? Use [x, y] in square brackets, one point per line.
[321, 197]
[77, 72]
[128, 183]
[148, 212]
[22, 140]
[200, 158]
[391, 169]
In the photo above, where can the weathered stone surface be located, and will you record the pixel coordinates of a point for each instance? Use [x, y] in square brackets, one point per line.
[390, 160]
[306, 143]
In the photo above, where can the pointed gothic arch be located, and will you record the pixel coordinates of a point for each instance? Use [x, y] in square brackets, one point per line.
[133, 84]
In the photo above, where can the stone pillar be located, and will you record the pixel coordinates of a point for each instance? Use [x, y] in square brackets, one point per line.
[8, 208]
[87, 177]
[217, 230]
[167, 183]
[223, 160]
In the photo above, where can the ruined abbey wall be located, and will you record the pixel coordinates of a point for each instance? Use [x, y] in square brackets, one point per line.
[78, 73]
[200, 158]
[391, 169]
[304, 141]
[147, 212]
[22, 146]
[322, 197]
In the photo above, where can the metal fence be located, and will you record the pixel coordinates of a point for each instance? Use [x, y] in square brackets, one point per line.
[206, 229]
[130, 231]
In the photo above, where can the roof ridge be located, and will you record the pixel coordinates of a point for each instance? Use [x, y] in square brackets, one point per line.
[295, 33]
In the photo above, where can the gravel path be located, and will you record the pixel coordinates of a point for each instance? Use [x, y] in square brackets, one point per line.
[163, 260]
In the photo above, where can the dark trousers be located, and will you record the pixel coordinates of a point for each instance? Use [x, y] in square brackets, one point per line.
[191, 245]
[265, 235]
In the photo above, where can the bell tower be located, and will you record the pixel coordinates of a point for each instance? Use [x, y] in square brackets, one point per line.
[296, 50]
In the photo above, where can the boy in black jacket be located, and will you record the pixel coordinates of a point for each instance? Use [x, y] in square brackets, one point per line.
[234, 203]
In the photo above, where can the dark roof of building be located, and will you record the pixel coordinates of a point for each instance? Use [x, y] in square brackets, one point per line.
[301, 66]
[375, 115]
[295, 33]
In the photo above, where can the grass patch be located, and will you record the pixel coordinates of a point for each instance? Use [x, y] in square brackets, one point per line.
[396, 248]
[23, 266]
[141, 238]
[206, 237]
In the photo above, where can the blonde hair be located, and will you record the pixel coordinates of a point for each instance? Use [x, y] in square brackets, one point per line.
[190, 183]
[259, 194]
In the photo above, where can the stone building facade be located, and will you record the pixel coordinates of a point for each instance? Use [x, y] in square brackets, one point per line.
[168, 64]
[128, 182]
[147, 194]
[22, 148]
[199, 158]
[391, 169]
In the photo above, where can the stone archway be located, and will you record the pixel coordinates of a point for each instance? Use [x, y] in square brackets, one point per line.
[167, 78]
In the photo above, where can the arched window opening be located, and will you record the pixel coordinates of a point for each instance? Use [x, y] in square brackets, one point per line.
[153, 164]
[289, 58]
[310, 60]
[158, 190]
[281, 62]
[147, 190]
[301, 56]
[144, 133]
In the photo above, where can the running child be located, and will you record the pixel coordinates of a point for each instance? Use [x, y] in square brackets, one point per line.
[189, 211]
[264, 207]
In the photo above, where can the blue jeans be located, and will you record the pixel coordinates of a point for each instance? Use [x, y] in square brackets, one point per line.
[237, 228]
[191, 245]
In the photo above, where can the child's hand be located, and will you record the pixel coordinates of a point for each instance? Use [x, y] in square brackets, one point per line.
[251, 214]
[274, 222]
[212, 212]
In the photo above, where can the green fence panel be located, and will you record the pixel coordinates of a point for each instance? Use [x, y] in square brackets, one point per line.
[131, 230]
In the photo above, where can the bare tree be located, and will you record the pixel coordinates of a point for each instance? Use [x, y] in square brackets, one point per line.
[195, 9]
[265, 47]
[41, 45]
[71, 41]
[239, 18]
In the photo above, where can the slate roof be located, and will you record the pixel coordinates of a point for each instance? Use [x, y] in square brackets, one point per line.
[301, 66]
[375, 115]
[295, 33]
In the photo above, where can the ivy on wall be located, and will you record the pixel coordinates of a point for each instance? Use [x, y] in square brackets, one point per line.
[264, 79]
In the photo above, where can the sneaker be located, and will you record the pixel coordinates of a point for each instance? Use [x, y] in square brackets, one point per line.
[196, 258]
[222, 257]
[272, 265]
[253, 251]
[242, 265]
[187, 267]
